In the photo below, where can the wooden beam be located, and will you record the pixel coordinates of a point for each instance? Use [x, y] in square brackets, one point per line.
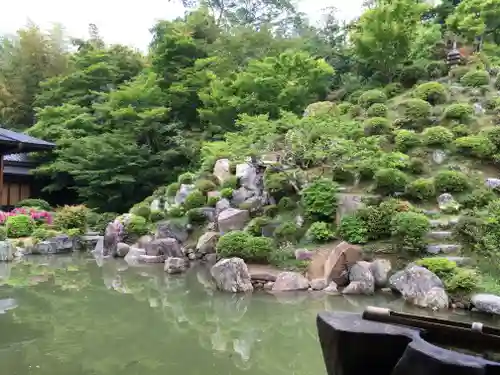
[1, 178]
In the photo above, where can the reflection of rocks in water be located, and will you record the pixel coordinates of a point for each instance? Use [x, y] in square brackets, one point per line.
[7, 304]
[5, 270]
[219, 342]
[153, 302]
[230, 308]
[292, 298]
[243, 345]
[203, 276]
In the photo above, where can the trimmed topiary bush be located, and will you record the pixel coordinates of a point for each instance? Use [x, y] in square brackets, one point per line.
[186, 178]
[410, 75]
[458, 111]
[287, 232]
[497, 82]
[319, 199]
[157, 215]
[19, 226]
[195, 199]
[196, 216]
[175, 211]
[376, 126]
[417, 166]
[344, 108]
[377, 110]
[405, 140]
[475, 78]
[255, 225]
[227, 193]
[320, 232]
[437, 136]
[409, 230]
[141, 210]
[270, 210]
[390, 180]
[475, 145]
[371, 97]
[478, 198]
[212, 201]
[355, 111]
[352, 229]
[72, 217]
[231, 182]
[451, 182]
[35, 203]
[244, 245]
[205, 186]
[277, 183]
[172, 189]
[458, 72]
[462, 281]
[3, 233]
[436, 69]
[432, 92]
[136, 227]
[393, 89]
[287, 204]
[461, 130]
[421, 189]
[441, 267]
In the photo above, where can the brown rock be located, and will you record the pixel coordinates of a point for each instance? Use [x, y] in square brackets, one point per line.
[340, 259]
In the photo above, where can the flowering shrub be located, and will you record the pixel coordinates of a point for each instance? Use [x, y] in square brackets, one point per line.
[39, 216]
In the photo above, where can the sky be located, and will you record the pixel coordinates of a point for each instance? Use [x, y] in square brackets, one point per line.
[121, 23]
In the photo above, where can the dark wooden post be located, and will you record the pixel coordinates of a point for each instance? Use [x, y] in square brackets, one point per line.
[1, 180]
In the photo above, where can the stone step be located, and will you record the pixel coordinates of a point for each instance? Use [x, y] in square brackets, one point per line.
[443, 248]
[444, 222]
[461, 261]
[440, 235]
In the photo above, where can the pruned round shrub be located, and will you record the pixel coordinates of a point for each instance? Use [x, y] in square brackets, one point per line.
[390, 180]
[319, 199]
[377, 110]
[212, 201]
[3, 233]
[136, 226]
[243, 245]
[19, 226]
[172, 189]
[421, 189]
[230, 182]
[497, 82]
[371, 97]
[355, 111]
[35, 203]
[416, 113]
[417, 165]
[271, 210]
[277, 183]
[478, 198]
[287, 204]
[409, 229]
[437, 136]
[410, 75]
[461, 130]
[493, 134]
[344, 108]
[175, 211]
[436, 69]
[71, 217]
[393, 89]
[458, 72]
[226, 193]
[141, 210]
[186, 178]
[376, 126]
[320, 232]
[195, 199]
[405, 140]
[475, 145]
[462, 281]
[287, 232]
[157, 215]
[352, 229]
[458, 111]
[205, 186]
[432, 92]
[256, 224]
[196, 216]
[440, 266]
[321, 109]
[475, 78]
[451, 182]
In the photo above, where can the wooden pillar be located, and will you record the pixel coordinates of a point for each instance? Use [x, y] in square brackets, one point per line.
[1, 179]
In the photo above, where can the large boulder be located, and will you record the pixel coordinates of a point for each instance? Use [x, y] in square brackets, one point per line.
[340, 259]
[380, 270]
[184, 191]
[133, 256]
[247, 175]
[420, 287]
[165, 247]
[7, 251]
[221, 205]
[122, 249]
[361, 280]
[222, 170]
[207, 243]
[172, 229]
[232, 219]
[347, 205]
[112, 235]
[176, 265]
[488, 303]
[231, 275]
[242, 195]
[289, 281]
[447, 203]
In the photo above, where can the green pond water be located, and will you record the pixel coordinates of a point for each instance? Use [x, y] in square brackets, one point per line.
[67, 315]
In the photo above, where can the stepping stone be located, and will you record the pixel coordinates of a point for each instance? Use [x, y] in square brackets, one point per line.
[461, 261]
[439, 235]
[444, 248]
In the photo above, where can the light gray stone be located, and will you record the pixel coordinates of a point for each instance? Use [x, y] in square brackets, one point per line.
[165, 247]
[231, 275]
[7, 251]
[443, 248]
[207, 243]
[380, 269]
[175, 265]
[488, 303]
[438, 156]
[184, 191]
[122, 249]
[332, 288]
[232, 219]
[361, 280]
[318, 284]
[222, 170]
[289, 281]
[492, 183]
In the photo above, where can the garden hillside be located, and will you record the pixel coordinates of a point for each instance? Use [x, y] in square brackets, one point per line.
[273, 140]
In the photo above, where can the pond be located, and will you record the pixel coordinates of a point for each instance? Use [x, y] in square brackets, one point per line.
[67, 315]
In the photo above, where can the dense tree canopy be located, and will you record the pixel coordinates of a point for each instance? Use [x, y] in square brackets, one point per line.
[212, 82]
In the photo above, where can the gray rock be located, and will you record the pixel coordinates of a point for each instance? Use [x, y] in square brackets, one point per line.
[447, 203]
[112, 235]
[242, 195]
[438, 156]
[183, 192]
[332, 288]
[172, 229]
[166, 247]
[207, 243]
[7, 251]
[222, 205]
[231, 275]
[45, 247]
[144, 240]
[443, 248]
[122, 249]
[288, 281]
[222, 170]
[175, 265]
[380, 269]
[303, 254]
[420, 287]
[299, 221]
[150, 258]
[440, 235]
[361, 280]
[488, 303]
[318, 284]
[492, 183]
[348, 204]
[247, 175]
[132, 257]
[232, 219]
[208, 212]
[478, 109]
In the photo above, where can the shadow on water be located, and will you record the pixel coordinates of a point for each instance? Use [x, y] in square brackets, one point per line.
[74, 316]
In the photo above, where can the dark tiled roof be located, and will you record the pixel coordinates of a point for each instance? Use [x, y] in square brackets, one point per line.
[9, 136]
